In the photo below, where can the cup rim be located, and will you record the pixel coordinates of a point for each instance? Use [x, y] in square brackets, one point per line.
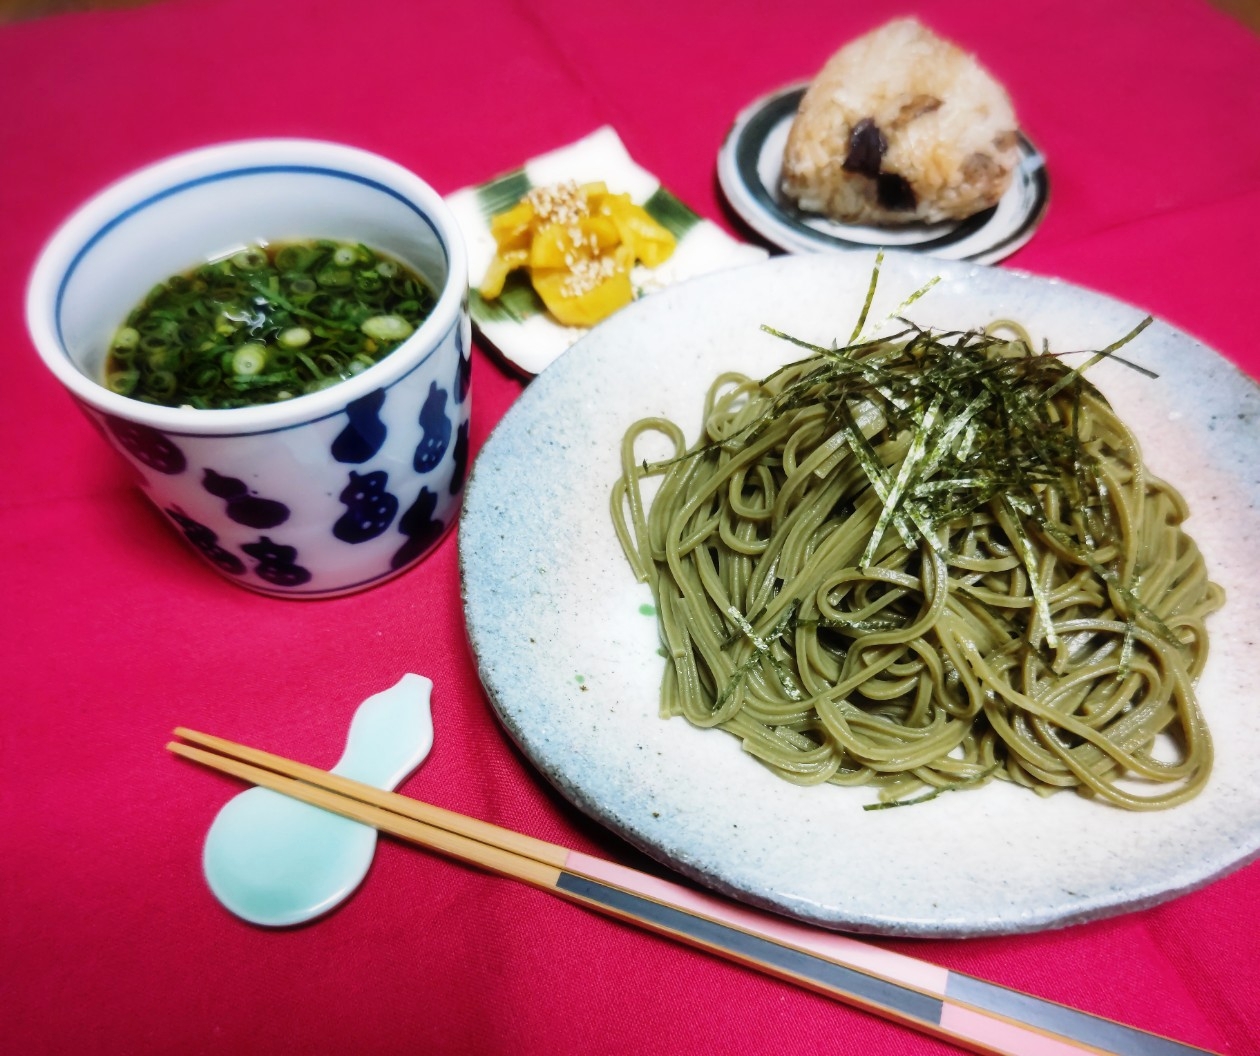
[101, 211]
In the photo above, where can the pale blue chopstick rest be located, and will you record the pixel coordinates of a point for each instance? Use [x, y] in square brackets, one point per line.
[276, 861]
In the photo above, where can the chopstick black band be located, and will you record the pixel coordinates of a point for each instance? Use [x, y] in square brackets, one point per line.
[877, 992]
[1065, 1022]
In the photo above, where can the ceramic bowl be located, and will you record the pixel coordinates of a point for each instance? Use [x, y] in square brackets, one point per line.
[314, 496]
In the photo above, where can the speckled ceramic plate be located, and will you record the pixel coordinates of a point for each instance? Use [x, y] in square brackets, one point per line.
[567, 644]
[751, 160]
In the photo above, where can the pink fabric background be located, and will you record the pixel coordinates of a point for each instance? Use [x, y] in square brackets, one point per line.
[113, 633]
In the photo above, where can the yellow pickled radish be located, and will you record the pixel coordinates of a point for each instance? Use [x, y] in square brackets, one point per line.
[578, 244]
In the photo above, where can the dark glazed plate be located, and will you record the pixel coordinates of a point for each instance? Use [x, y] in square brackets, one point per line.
[750, 162]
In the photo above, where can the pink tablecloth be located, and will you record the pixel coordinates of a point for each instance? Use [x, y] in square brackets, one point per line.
[110, 942]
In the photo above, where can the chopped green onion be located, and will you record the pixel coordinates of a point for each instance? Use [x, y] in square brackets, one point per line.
[333, 278]
[368, 280]
[293, 258]
[249, 359]
[123, 382]
[251, 259]
[161, 383]
[204, 379]
[387, 328]
[294, 337]
[264, 324]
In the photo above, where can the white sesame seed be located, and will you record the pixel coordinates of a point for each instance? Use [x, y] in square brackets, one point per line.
[559, 203]
[586, 274]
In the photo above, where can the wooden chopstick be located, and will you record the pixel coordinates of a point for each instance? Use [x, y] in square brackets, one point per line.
[978, 1015]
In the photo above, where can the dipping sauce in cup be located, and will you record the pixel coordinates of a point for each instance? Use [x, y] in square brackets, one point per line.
[334, 488]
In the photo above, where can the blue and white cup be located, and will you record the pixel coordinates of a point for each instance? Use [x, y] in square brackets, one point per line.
[315, 496]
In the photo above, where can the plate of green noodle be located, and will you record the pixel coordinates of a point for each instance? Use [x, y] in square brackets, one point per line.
[997, 621]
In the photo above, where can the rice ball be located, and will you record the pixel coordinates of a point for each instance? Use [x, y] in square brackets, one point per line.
[901, 127]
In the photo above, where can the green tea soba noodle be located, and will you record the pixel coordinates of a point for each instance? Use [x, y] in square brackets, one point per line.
[924, 562]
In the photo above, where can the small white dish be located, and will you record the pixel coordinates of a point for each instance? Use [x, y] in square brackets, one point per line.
[567, 645]
[516, 324]
[750, 163]
[276, 861]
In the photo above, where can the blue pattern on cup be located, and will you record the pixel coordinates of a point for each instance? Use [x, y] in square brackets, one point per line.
[148, 445]
[370, 509]
[435, 429]
[277, 563]
[461, 459]
[463, 377]
[207, 541]
[253, 511]
[364, 433]
[421, 528]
